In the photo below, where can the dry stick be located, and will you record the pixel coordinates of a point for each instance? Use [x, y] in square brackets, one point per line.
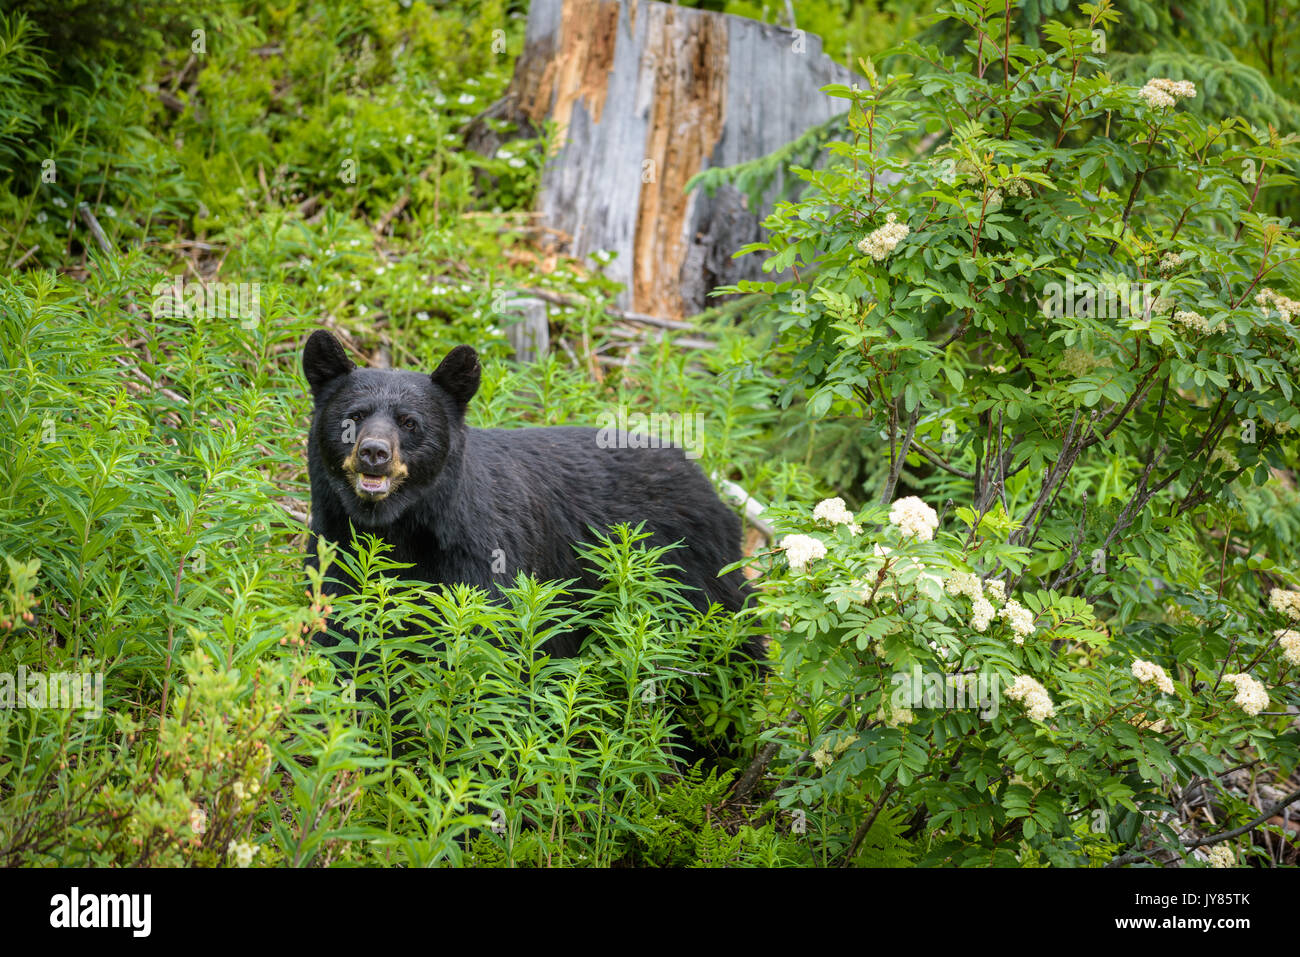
[892, 480]
[764, 757]
[95, 229]
[835, 723]
[24, 257]
[866, 825]
[1277, 808]
[934, 459]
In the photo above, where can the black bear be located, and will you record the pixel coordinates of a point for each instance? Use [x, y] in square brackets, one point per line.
[390, 454]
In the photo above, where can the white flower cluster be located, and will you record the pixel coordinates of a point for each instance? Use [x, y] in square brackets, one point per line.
[914, 517]
[881, 242]
[1251, 694]
[1192, 321]
[1170, 261]
[964, 583]
[1077, 362]
[1148, 672]
[1020, 618]
[968, 584]
[825, 755]
[1290, 643]
[1227, 458]
[801, 549]
[1160, 305]
[198, 821]
[993, 201]
[1034, 697]
[893, 716]
[1285, 307]
[1285, 601]
[1161, 93]
[834, 511]
[1016, 187]
[243, 853]
[1220, 855]
[997, 588]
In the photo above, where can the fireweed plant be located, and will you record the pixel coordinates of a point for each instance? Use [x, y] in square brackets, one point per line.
[1072, 603]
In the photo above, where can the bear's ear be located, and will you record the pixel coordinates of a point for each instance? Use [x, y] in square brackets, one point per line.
[323, 361]
[459, 374]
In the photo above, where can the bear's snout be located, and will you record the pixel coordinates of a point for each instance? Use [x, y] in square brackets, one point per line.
[374, 455]
[375, 468]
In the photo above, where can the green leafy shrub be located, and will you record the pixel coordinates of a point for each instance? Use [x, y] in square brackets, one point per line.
[1109, 462]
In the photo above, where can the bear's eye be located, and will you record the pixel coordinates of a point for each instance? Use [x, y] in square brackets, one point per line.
[409, 423]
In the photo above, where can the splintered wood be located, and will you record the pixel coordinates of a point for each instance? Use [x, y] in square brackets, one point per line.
[645, 95]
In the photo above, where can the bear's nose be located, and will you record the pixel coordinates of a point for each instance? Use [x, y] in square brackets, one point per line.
[374, 454]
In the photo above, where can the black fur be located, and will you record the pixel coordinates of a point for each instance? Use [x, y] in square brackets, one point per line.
[472, 497]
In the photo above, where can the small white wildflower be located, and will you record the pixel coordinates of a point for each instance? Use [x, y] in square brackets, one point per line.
[110, 212]
[465, 99]
[1034, 697]
[881, 242]
[914, 517]
[243, 853]
[409, 139]
[198, 821]
[517, 163]
[42, 216]
[238, 788]
[1252, 696]
[1170, 262]
[1220, 855]
[1148, 672]
[422, 315]
[438, 290]
[60, 202]
[802, 549]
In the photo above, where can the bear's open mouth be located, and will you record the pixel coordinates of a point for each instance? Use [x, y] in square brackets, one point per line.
[374, 485]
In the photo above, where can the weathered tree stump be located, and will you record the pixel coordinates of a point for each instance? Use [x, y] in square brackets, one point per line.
[646, 95]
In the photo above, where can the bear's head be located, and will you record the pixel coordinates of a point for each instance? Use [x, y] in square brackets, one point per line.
[384, 436]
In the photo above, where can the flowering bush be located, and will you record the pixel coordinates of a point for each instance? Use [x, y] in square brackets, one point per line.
[1055, 304]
